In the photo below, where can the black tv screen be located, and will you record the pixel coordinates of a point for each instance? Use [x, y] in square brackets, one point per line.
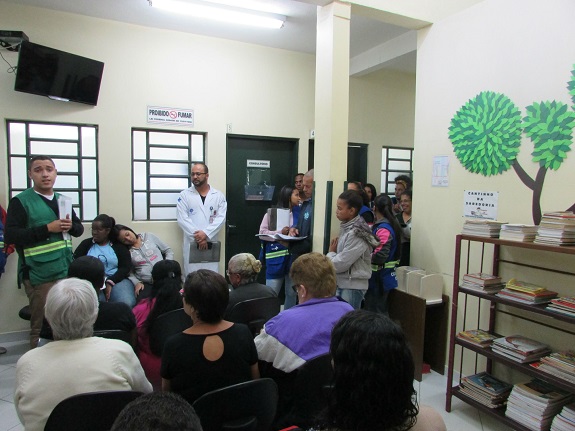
[57, 74]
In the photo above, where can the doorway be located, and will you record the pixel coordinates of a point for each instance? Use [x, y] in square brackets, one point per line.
[356, 161]
[244, 216]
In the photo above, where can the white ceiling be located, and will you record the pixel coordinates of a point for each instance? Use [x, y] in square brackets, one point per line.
[298, 33]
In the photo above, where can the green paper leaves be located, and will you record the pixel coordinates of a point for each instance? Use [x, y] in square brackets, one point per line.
[550, 126]
[486, 133]
[571, 87]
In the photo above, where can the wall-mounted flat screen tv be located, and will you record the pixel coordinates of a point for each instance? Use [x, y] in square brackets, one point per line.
[57, 74]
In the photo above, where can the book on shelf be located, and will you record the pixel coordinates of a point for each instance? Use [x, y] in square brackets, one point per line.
[493, 288]
[482, 278]
[482, 227]
[486, 389]
[519, 348]
[534, 404]
[478, 337]
[518, 232]
[560, 215]
[565, 420]
[559, 364]
[523, 286]
[563, 305]
[546, 368]
[527, 298]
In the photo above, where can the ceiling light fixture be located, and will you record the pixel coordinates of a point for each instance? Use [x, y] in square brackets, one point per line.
[221, 12]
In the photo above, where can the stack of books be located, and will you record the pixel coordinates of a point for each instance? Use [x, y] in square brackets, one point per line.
[526, 293]
[519, 348]
[518, 232]
[483, 282]
[486, 389]
[557, 228]
[482, 227]
[564, 421]
[478, 337]
[558, 364]
[535, 403]
[564, 305]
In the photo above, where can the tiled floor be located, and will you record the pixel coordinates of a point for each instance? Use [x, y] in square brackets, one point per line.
[431, 392]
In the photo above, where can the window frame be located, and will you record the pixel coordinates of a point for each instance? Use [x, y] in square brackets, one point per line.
[79, 157]
[148, 161]
[385, 171]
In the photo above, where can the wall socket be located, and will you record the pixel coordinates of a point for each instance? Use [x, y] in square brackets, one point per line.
[229, 128]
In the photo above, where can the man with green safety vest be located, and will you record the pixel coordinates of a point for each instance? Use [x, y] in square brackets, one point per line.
[40, 234]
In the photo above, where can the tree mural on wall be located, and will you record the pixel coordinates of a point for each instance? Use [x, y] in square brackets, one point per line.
[486, 135]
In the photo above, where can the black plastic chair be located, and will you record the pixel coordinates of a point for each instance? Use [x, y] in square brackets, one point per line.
[116, 334]
[248, 406]
[93, 411]
[254, 312]
[166, 325]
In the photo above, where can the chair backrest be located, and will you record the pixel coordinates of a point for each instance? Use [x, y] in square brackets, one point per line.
[254, 312]
[115, 334]
[248, 406]
[93, 411]
[310, 392]
[166, 325]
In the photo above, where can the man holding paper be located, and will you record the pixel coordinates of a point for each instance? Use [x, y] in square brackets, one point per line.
[41, 234]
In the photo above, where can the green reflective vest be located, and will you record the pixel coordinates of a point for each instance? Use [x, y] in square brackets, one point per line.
[46, 260]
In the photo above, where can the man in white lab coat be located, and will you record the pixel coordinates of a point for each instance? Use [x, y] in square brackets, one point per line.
[201, 215]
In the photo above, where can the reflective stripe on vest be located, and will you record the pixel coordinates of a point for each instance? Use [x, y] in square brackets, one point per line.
[47, 248]
[390, 264]
[275, 254]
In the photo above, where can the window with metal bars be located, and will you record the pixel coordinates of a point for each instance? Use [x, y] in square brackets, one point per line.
[161, 162]
[394, 161]
[74, 149]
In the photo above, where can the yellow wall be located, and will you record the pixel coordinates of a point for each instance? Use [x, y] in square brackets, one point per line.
[259, 90]
[515, 47]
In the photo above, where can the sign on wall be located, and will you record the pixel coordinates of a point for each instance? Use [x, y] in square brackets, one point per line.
[174, 116]
[479, 204]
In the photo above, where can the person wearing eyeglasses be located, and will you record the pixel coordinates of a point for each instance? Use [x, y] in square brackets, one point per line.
[201, 213]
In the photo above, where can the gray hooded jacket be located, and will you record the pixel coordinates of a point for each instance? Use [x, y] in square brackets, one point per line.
[352, 260]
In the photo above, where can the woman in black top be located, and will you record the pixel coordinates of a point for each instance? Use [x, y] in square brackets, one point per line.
[213, 353]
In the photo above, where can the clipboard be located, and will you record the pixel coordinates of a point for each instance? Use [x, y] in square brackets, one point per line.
[212, 254]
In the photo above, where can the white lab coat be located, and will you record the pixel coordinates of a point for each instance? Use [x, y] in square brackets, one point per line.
[193, 215]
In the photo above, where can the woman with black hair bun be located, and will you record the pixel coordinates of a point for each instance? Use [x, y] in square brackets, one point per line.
[373, 379]
[115, 257]
[165, 296]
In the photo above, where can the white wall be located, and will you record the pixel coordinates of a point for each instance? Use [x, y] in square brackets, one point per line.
[517, 47]
[260, 90]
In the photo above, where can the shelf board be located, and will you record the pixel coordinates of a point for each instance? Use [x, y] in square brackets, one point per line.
[538, 309]
[566, 249]
[523, 368]
[498, 414]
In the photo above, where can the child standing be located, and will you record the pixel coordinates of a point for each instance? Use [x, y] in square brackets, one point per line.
[350, 253]
[385, 257]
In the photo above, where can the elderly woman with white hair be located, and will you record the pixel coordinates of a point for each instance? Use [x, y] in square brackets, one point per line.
[76, 362]
[243, 270]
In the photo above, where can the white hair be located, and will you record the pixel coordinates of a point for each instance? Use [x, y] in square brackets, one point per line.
[71, 309]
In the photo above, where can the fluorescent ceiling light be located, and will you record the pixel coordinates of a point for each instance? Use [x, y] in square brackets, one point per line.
[221, 13]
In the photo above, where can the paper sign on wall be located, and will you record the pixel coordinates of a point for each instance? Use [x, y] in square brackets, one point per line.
[174, 116]
[478, 204]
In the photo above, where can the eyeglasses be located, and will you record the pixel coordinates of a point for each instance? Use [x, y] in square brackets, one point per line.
[295, 287]
[229, 274]
[198, 174]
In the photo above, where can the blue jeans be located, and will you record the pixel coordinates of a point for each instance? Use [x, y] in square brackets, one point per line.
[352, 296]
[291, 296]
[122, 291]
[275, 284]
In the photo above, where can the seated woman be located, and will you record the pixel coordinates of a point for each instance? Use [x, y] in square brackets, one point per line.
[146, 249]
[213, 353]
[243, 270]
[114, 256]
[76, 362]
[373, 378]
[301, 333]
[165, 296]
[111, 315]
